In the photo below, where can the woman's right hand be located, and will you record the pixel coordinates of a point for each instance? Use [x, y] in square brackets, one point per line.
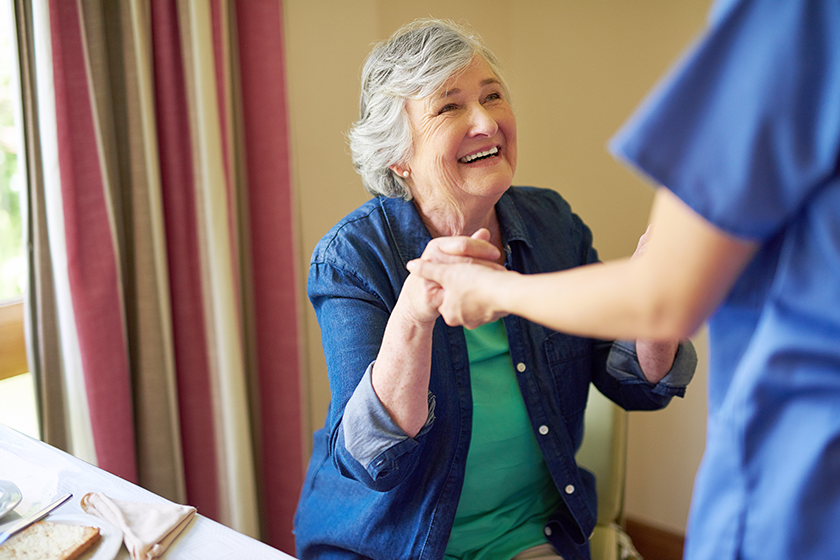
[424, 297]
[400, 375]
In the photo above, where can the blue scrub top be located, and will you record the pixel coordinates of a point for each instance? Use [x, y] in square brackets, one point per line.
[746, 131]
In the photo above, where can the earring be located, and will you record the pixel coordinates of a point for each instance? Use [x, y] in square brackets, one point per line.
[406, 173]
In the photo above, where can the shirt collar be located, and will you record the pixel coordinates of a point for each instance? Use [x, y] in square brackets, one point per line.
[510, 220]
[406, 227]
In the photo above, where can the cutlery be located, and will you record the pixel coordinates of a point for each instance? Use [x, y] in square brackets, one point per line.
[25, 522]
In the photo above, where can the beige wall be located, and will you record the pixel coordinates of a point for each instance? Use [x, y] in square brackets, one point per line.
[577, 69]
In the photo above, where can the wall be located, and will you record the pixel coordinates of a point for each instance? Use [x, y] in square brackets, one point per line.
[577, 70]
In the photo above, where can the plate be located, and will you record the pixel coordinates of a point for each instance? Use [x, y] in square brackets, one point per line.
[110, 537]
[10, 497]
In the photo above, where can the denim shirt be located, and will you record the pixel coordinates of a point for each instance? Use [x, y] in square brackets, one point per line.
[373, 492]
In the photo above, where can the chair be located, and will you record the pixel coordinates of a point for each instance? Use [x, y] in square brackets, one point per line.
[604, 453]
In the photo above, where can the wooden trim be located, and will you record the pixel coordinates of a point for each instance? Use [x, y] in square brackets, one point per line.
[654, 543]
[12, 339]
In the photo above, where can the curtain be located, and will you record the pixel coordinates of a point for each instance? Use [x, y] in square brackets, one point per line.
[163, 307]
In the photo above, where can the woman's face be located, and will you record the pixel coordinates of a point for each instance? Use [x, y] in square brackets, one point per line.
[464, 139]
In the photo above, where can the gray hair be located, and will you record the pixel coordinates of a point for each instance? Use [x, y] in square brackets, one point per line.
[414, 63]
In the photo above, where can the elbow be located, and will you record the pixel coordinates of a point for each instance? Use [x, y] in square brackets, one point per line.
[666, 313]
[379, 482]
[672, 323]
[379, 477]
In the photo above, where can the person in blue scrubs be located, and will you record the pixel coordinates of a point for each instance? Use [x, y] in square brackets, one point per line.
[744, 138]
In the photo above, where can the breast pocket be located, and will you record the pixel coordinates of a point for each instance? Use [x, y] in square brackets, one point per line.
[569, 360]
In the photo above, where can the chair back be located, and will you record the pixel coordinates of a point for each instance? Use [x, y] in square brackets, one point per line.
[604, 453]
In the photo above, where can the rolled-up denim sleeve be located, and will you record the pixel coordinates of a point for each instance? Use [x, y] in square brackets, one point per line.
[370, 434]
[623, 365]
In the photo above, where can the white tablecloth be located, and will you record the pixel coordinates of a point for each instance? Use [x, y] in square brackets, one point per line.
[43, 473]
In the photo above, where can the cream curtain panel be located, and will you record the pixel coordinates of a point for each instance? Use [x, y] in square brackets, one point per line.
[162, 309]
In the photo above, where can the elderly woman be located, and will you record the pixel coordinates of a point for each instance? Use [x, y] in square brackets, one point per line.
[442, 442]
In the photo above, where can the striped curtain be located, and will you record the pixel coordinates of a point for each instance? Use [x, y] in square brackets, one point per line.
[163, 308]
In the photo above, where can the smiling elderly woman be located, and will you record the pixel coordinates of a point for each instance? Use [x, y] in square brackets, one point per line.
[442, 442]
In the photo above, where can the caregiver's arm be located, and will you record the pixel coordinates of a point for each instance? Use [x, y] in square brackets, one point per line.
[686, 270]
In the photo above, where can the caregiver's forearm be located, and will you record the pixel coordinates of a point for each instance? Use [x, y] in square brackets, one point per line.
[686, 270]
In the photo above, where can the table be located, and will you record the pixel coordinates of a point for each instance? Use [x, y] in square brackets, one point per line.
[43, 472]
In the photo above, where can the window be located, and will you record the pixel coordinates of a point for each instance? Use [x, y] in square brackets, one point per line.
[12, 257]
[17, 397]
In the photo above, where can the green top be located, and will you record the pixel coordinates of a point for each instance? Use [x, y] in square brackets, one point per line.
[508, 493]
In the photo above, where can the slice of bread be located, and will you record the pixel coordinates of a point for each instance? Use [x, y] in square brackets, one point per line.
[46, 540]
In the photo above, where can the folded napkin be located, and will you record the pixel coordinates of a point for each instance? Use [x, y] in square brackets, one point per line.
[148, 529]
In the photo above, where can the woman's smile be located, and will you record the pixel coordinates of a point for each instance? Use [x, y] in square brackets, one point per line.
[480, 155]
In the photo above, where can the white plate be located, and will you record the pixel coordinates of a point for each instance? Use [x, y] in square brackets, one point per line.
[110, 537]
[10, 497]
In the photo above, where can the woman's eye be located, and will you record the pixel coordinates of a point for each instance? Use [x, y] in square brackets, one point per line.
[495, 96]
[447, 108]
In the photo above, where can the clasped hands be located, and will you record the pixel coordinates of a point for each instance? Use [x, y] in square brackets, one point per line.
[460, 278]
[463, 283]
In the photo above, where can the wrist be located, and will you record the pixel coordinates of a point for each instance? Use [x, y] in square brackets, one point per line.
[504, 293]
[411, 319]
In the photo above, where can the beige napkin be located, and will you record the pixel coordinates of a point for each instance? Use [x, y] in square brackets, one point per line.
[148, 529]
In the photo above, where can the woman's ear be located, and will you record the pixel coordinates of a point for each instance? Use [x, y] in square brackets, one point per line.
[400, 170]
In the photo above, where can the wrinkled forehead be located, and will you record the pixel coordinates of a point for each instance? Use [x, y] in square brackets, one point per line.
[452, 85]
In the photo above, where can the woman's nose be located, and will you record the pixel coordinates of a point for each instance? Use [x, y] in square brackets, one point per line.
[482, 122]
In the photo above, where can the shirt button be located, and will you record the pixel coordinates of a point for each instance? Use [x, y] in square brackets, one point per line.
[543, 429]
[520, 367]
[547, 531]
[570, 489]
